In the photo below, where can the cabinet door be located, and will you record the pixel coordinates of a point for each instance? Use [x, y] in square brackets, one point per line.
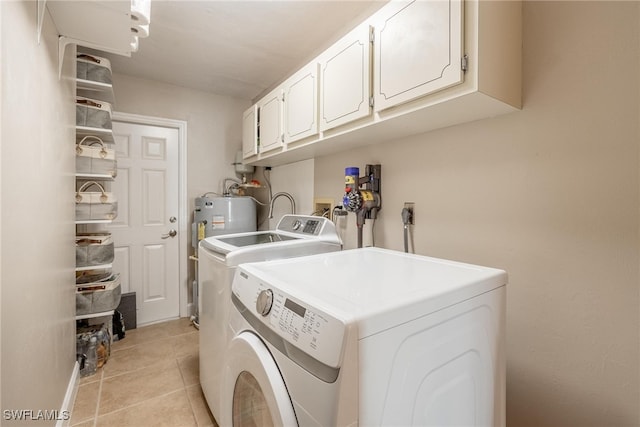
[250, 132]
[418, 50]
[301, 104]
[270, 121]
[345, 79]
[104, 24]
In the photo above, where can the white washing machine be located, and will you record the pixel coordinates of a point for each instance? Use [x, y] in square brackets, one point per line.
[295, 235]
[368, 337]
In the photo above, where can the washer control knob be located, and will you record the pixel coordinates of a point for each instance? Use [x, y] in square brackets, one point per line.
[264, 301]
[297, 224]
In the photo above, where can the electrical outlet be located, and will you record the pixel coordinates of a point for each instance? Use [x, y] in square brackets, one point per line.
[410, 207]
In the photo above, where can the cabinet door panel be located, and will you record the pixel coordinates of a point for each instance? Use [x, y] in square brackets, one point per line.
[301, 104]
[345, 72]
[270, 127]
[418, 50]
[250, 132]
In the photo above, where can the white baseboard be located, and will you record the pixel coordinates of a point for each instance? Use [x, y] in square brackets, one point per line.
[69, 397]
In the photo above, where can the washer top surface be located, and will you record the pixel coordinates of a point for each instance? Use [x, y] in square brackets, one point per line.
[256, 239]
[378, 288]
[294, 235]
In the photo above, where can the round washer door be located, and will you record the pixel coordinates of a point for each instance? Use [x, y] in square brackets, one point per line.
[253, 391]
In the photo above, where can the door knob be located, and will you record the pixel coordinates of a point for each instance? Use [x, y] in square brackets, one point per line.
[171, 233]
[173, 219]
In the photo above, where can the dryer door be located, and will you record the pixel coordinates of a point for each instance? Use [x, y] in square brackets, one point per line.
[253, 391]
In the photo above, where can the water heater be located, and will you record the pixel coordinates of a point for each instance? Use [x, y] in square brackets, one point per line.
[222, 215]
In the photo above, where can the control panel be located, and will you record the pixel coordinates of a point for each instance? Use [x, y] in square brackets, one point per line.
[300, 323]
[305, 225]
[309, 329]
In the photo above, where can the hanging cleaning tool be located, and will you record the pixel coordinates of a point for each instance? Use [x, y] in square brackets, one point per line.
[362, 194]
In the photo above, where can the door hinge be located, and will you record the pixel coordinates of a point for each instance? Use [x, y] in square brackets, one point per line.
[282, 138]
[371, 101]
[464, 63]
[372, 35]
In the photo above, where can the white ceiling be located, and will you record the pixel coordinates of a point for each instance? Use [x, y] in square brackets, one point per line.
[237, 48]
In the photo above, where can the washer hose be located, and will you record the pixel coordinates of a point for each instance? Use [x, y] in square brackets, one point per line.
[406, 220]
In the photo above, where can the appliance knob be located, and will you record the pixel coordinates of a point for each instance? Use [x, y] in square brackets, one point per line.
[264, 301]
[297, 224]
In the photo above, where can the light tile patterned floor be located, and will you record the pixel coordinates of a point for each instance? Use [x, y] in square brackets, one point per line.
[151, 379]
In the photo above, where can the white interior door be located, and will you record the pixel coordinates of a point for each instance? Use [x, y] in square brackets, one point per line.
[145, 231]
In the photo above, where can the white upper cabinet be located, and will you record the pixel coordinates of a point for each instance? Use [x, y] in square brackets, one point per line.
[99, 24]
[270, 121]
[250, 132]
[345, 79]
[301, 104]
[431, 64]
[419, 48]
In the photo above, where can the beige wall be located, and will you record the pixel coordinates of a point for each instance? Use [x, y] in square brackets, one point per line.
[1, 102]
[297, 180]
[551, 195]
[214, 126]
[37, 223]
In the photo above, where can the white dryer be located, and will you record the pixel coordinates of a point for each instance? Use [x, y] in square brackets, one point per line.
[295, 235]
[368, 337]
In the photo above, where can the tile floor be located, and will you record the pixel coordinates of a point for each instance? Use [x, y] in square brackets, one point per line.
[151, 379]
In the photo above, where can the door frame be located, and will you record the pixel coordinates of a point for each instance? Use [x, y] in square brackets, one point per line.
[183, 250]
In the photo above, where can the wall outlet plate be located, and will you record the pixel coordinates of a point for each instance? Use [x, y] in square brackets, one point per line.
[410, 206]
[321, 205]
